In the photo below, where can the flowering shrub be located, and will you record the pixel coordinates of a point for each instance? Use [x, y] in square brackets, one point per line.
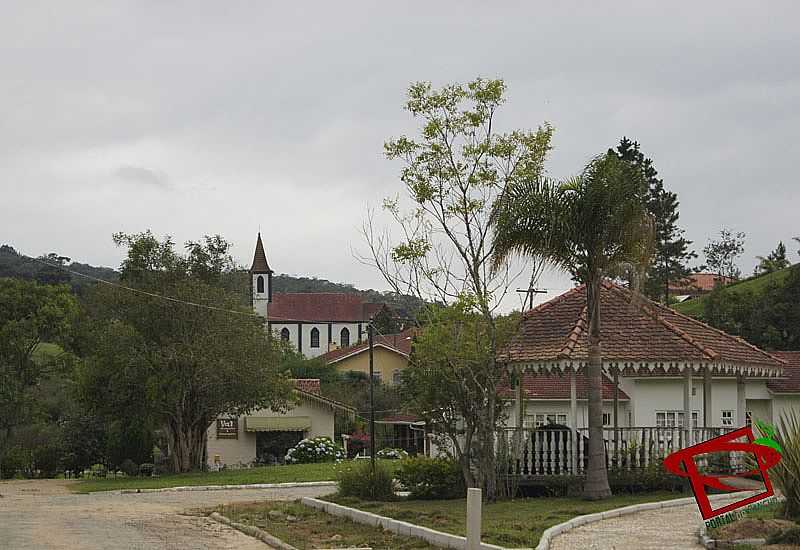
[392, 454]
[318, 449]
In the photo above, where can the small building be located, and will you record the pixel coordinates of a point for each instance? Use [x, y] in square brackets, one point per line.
[264, 436]
[390, 357]
[697, 284]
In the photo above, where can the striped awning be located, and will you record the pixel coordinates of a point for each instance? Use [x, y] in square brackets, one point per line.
[277, 423]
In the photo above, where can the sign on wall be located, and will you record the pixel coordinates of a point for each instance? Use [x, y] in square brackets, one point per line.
[227, 428]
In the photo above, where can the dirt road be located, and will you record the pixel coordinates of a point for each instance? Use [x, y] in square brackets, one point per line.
[45, 515]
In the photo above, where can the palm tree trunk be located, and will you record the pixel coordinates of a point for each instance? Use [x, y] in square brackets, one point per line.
[596, 487]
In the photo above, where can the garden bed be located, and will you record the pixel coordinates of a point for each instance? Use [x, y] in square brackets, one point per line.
[306, 528]
[761, 524]
[515, 523]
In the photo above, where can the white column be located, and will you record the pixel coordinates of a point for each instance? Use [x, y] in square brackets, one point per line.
[687, 403]
[518, 396]
[741, 401]
[573, 413]
[708, 408]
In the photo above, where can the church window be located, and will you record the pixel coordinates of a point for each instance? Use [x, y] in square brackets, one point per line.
[285, 334]
[344, 338]
[260, 284]
[315, 337]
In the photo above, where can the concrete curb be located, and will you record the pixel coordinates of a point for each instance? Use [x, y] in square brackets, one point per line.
[230, 487]
[436, 538]
[555, 530]
[253, 531]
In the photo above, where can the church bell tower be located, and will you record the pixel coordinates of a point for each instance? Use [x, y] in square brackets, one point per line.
[260, 280]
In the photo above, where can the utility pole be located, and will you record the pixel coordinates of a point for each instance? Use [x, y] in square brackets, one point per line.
[371, 400]
[529, 292]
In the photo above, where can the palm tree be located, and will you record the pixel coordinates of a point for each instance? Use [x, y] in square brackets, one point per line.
[594, 226]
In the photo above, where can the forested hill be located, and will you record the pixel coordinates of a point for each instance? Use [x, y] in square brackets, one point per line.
[14, 264]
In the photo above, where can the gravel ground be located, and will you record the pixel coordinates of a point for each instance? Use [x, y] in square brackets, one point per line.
[45, 515]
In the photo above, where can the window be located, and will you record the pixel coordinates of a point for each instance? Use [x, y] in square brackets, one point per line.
[285, 334]
[397, 376]
[315, 337]
[606, 419]
[260, 285]
[376, 376]
[344, 338]
[727, 418]
[674, 419]
[748, 418]
[694, 391]
[542, 419]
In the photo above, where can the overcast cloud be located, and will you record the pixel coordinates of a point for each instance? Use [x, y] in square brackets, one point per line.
[190, 118]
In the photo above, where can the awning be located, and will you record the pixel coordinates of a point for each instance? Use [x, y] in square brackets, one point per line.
[277, 423]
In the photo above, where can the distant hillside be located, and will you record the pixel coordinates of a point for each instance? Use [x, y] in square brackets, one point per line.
[16, 265]
[756, 285]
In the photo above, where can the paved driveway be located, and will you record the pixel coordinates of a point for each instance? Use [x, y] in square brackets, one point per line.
[45, 515]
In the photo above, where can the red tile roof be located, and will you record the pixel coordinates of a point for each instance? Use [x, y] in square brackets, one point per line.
[633, 328]
[321, 306]
[310, 385]
[400, 343]
[790, 382]
[556, 386]
[704, 282]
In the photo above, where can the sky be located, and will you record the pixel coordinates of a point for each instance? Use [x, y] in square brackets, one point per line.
[194, 118]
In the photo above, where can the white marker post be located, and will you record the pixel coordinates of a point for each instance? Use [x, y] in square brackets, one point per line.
[473, 519]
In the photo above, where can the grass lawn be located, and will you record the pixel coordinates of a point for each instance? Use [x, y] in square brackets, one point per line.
[517, 523]
[266, 474]
[315, 529]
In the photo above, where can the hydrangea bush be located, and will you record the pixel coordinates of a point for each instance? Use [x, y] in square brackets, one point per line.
[318, 449]
[392, 454]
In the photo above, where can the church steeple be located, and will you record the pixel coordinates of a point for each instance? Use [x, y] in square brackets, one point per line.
[260, 264]
[260, 280]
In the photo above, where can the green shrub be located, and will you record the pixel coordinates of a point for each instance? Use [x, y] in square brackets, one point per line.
[319, 449]
[786, 473]
[432, 478]
[358, 480]
[146, 469]
[16, 461]
[786, 536]
[644, 480]
[129, 467]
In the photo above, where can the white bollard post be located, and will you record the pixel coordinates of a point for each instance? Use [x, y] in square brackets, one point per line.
[473, 519]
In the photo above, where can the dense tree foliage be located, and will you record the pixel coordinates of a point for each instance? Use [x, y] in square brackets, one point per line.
[180, 350]
[775, 261]
[30, 315]
[671, 249]
[769, 318]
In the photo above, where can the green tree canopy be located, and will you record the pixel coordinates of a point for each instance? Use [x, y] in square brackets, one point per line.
[775, 261]
[181, 349]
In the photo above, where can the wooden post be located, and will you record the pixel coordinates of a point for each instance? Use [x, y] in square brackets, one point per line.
[708, 408]
[473, 519]
[573, 412]
[687, 404]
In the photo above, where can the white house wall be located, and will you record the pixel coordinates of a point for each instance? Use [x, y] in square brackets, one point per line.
[559, 406]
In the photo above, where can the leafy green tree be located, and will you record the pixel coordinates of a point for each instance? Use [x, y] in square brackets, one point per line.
[452, 173]
[447, 376]
[178, 348]
[671, 248]
[593, 226]
[774, 262]
[30, 315]
[721, 254]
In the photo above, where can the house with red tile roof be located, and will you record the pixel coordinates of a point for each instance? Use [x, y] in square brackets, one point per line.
[698, 284]
[313, 322]
[391, 353]
[663, 372]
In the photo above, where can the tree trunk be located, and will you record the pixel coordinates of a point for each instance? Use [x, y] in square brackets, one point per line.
[596, 487]
[188, 446]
